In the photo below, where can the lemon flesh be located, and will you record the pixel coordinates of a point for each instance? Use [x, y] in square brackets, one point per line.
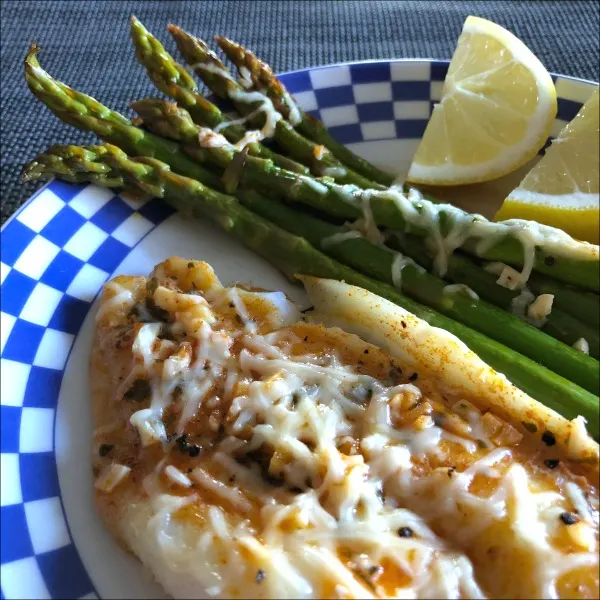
[497, 108]
[562, 189]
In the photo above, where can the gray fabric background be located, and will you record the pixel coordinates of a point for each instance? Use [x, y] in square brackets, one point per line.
[86, 44]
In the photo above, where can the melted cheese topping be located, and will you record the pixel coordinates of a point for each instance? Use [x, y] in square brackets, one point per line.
[582, 345]
[447, 228]
[283, 459]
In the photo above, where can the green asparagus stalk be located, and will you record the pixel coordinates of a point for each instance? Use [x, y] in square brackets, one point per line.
[294, 255]
[220, 81]
[168, 119]
[561, 323]
[174, 80]
[342, 201]
[86, 113]
[377, 262]
[263, 79]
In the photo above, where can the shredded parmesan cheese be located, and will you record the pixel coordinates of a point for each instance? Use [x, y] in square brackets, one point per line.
[111, 477]
[460, 288]
[582, 345]
[541, 307]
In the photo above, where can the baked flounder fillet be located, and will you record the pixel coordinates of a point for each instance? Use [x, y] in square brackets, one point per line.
[245, 450]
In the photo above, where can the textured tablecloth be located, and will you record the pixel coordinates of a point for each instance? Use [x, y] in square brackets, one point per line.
[86, 44]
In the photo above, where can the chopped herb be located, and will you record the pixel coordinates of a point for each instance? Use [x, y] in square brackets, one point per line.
[395, 373]
[568, 518]
[139, 391]
[551, 463]
[194, 451]
[160, 314]
[413, 377]
[438, 418]
[531, 427]
[105, 449]
[548, 438]
[549, 261]
[296, 397]
[276, 480]
[260, 575]
[375, 570]
[182, 443]
[166, 333]
[190, 265]
[405, 532]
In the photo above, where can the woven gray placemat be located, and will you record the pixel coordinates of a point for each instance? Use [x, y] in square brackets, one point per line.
[86, 44]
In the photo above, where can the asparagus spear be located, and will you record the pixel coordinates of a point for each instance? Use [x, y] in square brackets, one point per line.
[174, 80]
[84, 112]
[427, 289]
[560, 324]
[345, 201]
[294, 255]
[218, 78]
[168, 119]
[264, 80]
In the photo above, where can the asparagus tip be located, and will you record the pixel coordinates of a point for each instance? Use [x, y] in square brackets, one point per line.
[30, 59]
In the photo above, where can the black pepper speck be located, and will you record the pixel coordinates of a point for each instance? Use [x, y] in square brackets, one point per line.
[551, 463]
[139, 390]
[194, 451]
[568, 518]
[405, 532]
[548, 438]
[105, 449]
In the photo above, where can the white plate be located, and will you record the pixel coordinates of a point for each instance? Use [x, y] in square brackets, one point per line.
[58, 250]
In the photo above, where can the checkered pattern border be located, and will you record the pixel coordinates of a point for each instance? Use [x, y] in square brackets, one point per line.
[374, 101]
[56, 254]
[62, 246]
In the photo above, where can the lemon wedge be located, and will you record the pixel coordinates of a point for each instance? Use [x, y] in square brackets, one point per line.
[562, 189]
[497, 107]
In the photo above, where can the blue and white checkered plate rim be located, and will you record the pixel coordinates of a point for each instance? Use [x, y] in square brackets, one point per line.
[60, 248]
